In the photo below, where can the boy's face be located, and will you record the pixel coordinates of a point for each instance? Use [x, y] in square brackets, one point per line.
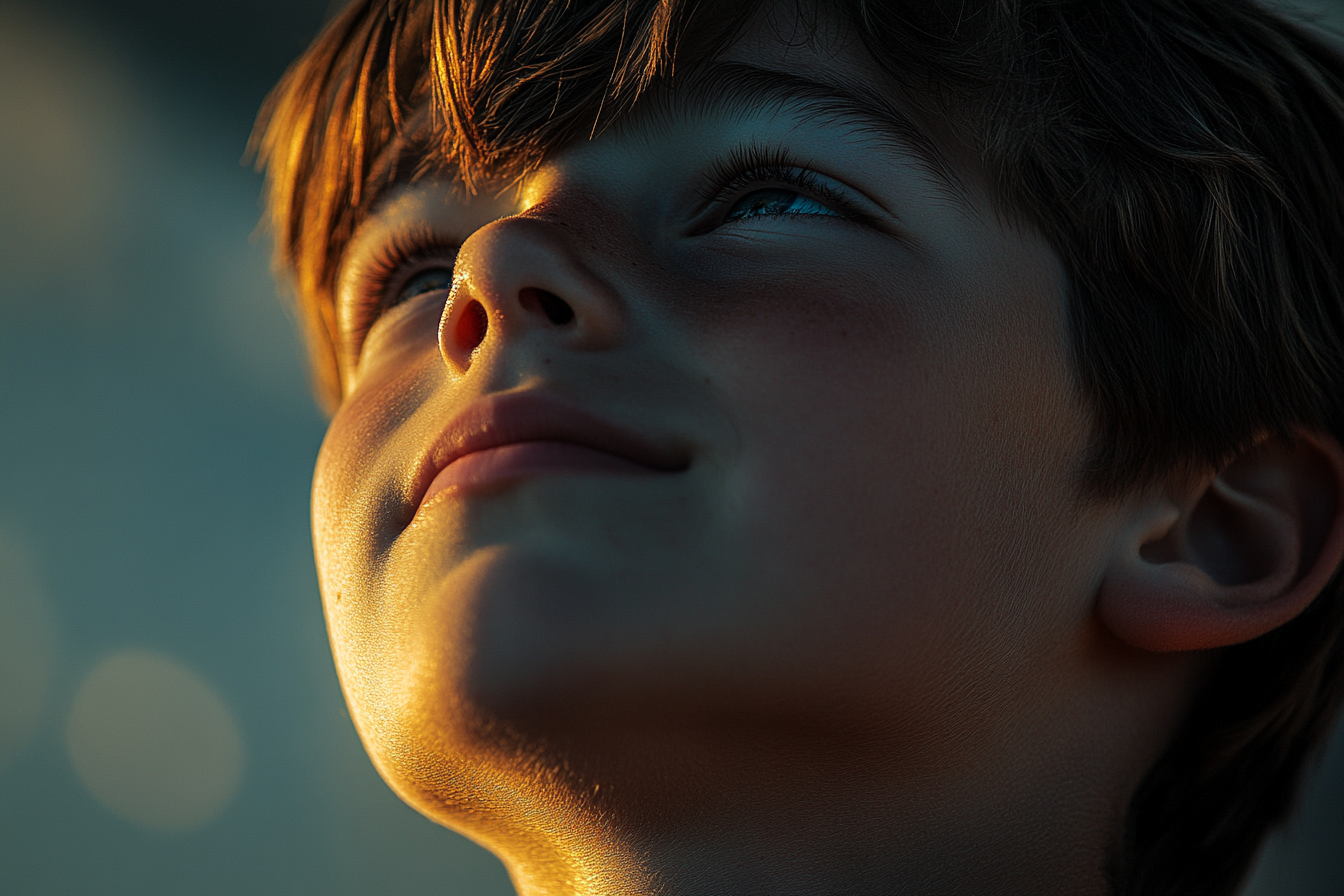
[825, 480]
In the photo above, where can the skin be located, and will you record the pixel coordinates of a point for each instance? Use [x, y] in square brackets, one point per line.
[853, 647]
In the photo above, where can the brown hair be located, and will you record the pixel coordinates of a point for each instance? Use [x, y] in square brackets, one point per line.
[1182, 156]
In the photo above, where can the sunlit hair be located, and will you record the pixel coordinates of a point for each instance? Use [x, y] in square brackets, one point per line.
[395, 89]
[1182, 157]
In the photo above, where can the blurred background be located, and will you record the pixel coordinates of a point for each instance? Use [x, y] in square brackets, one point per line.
[170, 721]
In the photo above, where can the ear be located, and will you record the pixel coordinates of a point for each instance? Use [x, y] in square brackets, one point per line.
[1232, 555]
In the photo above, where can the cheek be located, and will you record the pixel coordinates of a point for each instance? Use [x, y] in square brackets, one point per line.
[907, 448]
[352, 489]
[822, 301]
[360, 485]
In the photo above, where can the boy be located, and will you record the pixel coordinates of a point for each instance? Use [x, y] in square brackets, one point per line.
[827, 448]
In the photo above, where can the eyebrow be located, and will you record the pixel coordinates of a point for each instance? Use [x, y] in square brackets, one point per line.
[738, 87]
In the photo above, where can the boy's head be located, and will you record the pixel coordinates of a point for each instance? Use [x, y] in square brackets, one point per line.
[906, 429]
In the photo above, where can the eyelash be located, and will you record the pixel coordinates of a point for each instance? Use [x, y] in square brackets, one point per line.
[754, 165]
[403, 250]
[745, 166]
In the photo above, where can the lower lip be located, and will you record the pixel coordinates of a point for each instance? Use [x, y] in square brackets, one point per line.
[493, 467]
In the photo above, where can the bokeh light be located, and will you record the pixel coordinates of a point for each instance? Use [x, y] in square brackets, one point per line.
[153, 742]
[65, 109]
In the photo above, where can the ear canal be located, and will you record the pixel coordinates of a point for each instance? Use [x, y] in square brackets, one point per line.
[1249, 549]
[1240, 540]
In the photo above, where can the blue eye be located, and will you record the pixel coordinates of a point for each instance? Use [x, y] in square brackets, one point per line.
[776, 202]
[429, 280]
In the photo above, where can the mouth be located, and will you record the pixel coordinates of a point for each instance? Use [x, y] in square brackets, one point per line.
[503, 438]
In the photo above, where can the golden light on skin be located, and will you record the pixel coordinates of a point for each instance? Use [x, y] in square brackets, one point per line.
[27, 646]
[524, 803]
[153, 742]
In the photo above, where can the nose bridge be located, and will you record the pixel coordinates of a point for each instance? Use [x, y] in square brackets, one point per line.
[522, 275]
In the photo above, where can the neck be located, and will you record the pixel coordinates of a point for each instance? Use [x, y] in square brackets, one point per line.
[833, 834]
[1033, 802]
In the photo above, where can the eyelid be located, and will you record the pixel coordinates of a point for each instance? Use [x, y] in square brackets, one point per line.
[755, 166]
[404, 254]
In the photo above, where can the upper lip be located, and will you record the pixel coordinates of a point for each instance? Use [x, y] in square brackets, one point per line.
[513, 417]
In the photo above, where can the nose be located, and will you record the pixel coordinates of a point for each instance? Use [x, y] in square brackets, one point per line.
[521, 276]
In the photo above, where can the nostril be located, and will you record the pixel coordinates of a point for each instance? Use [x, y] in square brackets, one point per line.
[556, 309]
[472, 326]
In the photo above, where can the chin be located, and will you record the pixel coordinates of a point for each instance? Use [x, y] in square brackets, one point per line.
[514, 638]
[467, 712]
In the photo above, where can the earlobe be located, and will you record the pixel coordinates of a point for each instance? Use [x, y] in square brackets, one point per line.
[1234, 555]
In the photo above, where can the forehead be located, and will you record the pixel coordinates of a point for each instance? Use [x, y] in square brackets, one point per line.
[786, 54]
[787, 62]
[828, 92]
[817, 63]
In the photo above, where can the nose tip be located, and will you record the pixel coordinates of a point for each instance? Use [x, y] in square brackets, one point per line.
[517, 277]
